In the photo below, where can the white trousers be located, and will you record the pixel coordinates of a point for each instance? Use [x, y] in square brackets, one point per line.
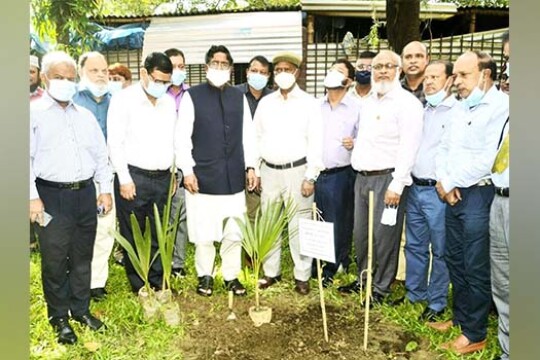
[287, 184]
[103, 246]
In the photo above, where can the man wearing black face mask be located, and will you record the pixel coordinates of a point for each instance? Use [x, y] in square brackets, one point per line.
[362, 75]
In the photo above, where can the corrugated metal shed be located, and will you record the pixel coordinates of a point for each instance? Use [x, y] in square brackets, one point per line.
[244, 34]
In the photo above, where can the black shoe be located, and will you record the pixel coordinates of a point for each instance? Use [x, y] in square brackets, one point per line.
[98, 294]
[236, 287]
[353, 287]
[179, 272]
[327, 281]
[64, 331]
[90, 321]
[376, 299]
[206, 285]
[430, 315]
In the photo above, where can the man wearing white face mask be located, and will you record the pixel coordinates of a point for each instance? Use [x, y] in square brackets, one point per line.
[425, 211]
[334, 190]
[177, 90]
[289, 135]
[141, 125]
[464, 163]
[388, 137]
[217, 154]
[259, 74]
[67, 153]
[94, 95]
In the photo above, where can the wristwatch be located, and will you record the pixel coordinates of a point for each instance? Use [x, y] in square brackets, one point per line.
[311, 180]
[250, 168]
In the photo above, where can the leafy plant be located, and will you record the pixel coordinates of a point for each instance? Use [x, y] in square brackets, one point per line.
[166, 235]
[260, 238]
[140, 256]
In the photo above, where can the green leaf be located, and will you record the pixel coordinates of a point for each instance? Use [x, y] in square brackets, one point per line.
[411, 346]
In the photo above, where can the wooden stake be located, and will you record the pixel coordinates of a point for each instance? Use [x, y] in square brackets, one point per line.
[369, 266]
[319, 280]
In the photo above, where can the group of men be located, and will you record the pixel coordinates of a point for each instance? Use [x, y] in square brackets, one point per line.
[421, 149]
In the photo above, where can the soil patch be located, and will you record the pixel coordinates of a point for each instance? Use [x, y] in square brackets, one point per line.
[296, 331]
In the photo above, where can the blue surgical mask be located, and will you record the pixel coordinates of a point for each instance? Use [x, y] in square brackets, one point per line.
[115, 86]
[156, 90]
[363, 77]
[475, 96]
[62, 90]
[178, 77]
[257, 81]
[437, 98]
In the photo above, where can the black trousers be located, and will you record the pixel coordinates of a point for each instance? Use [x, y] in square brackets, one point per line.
[150, 190]
[67, 246]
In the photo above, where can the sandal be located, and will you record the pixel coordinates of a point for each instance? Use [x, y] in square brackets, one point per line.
[267, 281]
[206, 284]
[236, 287]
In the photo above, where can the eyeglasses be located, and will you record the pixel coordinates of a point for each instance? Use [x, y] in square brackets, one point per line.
[387, 66]
[363, 67]
[504, 77]
[157, 81]
[219, 65]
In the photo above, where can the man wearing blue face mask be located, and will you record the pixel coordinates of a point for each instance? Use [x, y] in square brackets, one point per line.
[94, 95]
[67, 153]
[464, 164]
[259, 74]
[177, 90]
[141, 125]
[362, 87]
[217, 157]
[424, 223]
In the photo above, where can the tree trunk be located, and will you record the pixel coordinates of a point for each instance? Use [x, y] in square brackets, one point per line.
[402, 22]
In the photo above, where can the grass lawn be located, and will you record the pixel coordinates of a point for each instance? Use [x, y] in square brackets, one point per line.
[295, 332]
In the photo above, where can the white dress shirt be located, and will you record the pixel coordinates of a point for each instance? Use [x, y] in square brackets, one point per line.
[436, 122]
[66, 145]
[140, 133]
[389, 135]
[290, 129]
[186, 118]
[469, 148]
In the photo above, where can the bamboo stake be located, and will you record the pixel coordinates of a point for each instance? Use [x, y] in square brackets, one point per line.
[319, 280]
[369, 266]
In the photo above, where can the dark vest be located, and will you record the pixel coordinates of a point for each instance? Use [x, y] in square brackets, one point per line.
[218, 148]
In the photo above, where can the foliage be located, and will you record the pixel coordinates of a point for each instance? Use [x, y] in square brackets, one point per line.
[166, 235]
[478, 2]
[260, 238]
[140, 256]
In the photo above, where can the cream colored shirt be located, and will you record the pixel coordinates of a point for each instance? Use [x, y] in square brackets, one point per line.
[389, 134]
[140, 133]
[290, 129]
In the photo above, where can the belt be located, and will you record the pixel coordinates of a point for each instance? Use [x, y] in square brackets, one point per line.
[149, 173]
[335, 170]
[376, 172]
[77, 185]
[502, 191]
[424, 182]
[484, 182]
[290, 165]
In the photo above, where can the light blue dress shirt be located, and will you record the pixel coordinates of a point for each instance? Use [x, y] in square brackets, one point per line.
[469, 148]
[66, 145]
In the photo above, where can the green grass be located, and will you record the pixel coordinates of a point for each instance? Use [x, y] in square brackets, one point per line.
[129, 337]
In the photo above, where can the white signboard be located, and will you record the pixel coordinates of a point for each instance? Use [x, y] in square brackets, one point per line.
[317, 239]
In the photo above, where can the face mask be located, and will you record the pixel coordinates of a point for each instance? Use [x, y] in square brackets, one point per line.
[363, 77]
[98, 90]
[156, 90]
[475, 96]
[437, 98]
[115, 86]
[334, 79]
[178, 77]
[62, 90]
[218, 77]
[257, 81]
[285, 80]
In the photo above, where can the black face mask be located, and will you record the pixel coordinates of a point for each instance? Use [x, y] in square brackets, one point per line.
[363, 77]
